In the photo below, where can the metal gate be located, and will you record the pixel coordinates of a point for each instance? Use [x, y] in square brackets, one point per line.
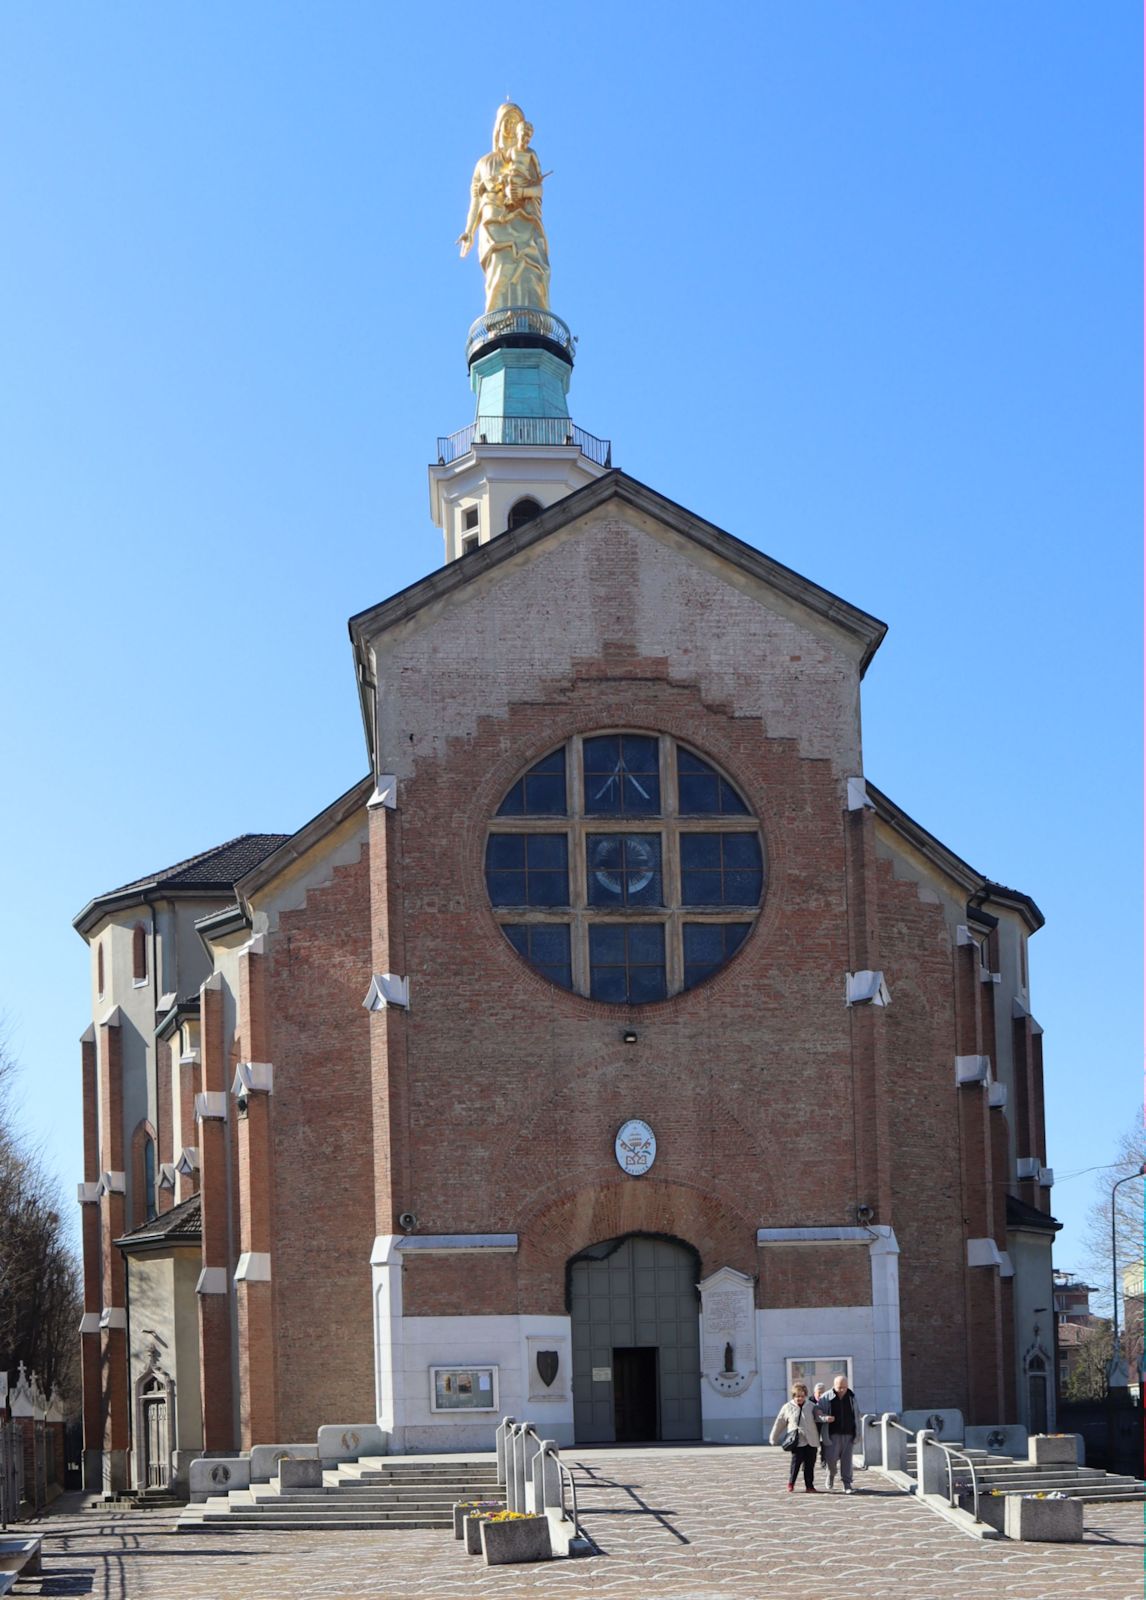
[11, 1472]
[636, 1340]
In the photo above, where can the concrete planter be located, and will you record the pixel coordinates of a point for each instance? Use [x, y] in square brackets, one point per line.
[1043, 1521]
[1053, 1450]
[471, 1532]
[299, 1475]
[524, 1539]
[992, 1507]
[466, 1508]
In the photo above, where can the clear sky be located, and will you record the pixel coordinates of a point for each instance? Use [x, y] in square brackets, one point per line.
[858, 282]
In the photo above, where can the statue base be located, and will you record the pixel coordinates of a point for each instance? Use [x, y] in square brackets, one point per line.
[520, 328]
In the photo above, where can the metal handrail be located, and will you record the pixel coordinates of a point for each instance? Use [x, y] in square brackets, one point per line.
[949, 1451]
[891, 1422]
[547, 1447]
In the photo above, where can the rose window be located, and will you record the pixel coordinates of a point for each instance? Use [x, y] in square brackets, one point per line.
[624, 867]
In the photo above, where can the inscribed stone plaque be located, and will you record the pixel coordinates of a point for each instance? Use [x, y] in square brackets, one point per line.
[728, 1321]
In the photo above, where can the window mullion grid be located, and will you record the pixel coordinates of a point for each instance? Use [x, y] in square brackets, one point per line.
[670, 880]
[579, 931]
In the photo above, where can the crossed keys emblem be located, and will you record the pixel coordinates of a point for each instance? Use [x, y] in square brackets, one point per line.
[636, 1147]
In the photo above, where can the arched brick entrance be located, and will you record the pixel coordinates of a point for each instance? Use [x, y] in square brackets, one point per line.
[635, 1309]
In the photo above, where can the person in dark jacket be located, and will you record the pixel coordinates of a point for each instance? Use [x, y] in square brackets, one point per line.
[842, 1430]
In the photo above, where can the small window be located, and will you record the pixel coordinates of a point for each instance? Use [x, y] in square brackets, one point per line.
[470, 518]
[524, 511]
[720, 869]
[99, 969]
[470, 542]
[708, 945]
[149, 1178]
[810, 1370]
[541, 792]
[702, 791]
[627, 962]
[139, 953]
[624, 869]
[545, 945]
[622, 776]
[527, 869]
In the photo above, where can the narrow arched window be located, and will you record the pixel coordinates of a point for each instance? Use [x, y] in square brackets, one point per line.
[149, 1178]
[139, 953]
[523, 511]
[99, 969]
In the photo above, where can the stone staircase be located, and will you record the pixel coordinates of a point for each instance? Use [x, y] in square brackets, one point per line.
[373, 1492]
[1013, 1476]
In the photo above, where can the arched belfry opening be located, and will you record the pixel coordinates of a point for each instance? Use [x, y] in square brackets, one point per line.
[635, 1311]
[523, 511]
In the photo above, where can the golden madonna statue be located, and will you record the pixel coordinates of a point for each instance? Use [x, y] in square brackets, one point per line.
[505, 211]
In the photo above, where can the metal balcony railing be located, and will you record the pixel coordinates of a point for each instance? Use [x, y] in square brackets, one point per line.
[520, 323]
[524, 431]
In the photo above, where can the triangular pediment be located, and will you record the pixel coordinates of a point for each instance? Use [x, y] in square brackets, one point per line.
[747, 567]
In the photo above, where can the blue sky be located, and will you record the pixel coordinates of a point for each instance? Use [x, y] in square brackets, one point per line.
[859, 283]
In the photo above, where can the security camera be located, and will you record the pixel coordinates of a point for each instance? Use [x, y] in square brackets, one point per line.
[408, 1221]
[864, 1214]
[242, 1102]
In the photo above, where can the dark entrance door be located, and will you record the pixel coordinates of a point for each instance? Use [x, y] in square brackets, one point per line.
[635, 1307]
[635, 1409]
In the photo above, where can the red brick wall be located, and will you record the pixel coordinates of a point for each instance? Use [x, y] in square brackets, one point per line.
[515, 1089]
[317, 969]
[926, 1165]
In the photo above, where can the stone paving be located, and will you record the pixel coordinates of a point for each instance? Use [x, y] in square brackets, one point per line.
[682, 1524]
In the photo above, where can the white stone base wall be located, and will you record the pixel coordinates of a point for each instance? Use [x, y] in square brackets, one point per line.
[406, 1348]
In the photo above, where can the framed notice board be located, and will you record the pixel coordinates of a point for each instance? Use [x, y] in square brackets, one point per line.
[463, 1388]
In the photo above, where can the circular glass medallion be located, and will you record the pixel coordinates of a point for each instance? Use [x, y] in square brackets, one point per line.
[635, 1147]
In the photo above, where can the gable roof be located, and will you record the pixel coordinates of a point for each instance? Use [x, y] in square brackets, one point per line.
[183, 1224]
[867, 630]
[214, 871]
[978, 888]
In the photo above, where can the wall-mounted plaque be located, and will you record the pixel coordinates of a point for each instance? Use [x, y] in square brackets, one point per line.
[463, 1388]
[635, 1147]
[728, 1331]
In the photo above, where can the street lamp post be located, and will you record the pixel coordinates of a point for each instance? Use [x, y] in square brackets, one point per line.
[1114, 1342]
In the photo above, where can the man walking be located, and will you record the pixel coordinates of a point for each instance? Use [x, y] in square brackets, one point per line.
[842, 1429]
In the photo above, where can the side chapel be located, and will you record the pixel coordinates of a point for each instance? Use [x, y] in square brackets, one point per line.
[613, 1053]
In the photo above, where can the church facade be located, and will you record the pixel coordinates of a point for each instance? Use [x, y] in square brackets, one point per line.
[614, 1053]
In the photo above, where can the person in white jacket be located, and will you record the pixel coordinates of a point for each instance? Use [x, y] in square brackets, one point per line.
[799, 1413]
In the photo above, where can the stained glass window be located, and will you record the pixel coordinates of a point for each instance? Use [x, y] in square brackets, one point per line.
[541, 792]
[720, 869]
[640, 912]
[545, 945]
[624, 869]
[701, 791]
[627, 962]
[622, 776]
[527, 869]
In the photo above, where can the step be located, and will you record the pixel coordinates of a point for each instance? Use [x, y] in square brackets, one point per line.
[247, 1520]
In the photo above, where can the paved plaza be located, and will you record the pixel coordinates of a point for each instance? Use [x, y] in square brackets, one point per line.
[682, 1524]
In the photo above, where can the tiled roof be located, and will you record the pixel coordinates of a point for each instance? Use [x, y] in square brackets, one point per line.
[182, 1224]
[218, 868]
[1021, 1215]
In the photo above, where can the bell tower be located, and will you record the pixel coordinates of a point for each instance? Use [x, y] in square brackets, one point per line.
[522, 451]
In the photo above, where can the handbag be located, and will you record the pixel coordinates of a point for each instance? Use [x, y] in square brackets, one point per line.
[792, 1438]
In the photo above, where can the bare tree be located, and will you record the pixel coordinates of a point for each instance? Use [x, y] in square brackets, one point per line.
[1088, 1368]
[1130, 1154]
[40, 1298]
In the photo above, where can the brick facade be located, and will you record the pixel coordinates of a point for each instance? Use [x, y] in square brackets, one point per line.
[487, 1110]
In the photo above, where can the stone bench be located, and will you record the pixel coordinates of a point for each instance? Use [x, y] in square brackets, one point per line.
[19, 1558]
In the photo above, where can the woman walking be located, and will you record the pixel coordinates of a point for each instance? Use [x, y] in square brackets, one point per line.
[798, 1416]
